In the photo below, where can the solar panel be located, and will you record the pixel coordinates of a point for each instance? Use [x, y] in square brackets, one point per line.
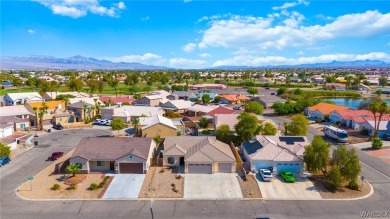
[291, 140]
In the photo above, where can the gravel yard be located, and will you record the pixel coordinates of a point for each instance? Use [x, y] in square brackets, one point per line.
[44, 181]
[249, 188]
[343, 193]
[158, 184]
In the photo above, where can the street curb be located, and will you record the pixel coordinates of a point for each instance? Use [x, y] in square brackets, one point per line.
[23, 152]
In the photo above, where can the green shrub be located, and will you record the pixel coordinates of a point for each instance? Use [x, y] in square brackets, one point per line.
[93, 186]
[364, 132]
[56, 187]
[377, 143]
[353, 185]
[318, 120]
[101, 185]
[333, 178]
[106, 178]
[73, 186]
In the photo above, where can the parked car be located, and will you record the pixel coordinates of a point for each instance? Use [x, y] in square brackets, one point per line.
[58, 127]
[97, 122]
[4, 160]
[55, 156]
[287, 176]
[107, 123]
[237, 108]
[266, 175]
[386, 137]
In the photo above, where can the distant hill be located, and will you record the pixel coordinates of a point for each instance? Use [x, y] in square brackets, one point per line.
[333, 64]
[74, 62]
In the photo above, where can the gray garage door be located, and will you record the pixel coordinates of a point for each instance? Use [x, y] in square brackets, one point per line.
[200, 168]
[131, 168]
[225, 167]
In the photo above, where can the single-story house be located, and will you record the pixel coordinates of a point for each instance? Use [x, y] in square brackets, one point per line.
[89, 100]
[199, 110]
[129, 113]
[177, 105]
[199, 154]
[13, 99]
[384, 127]
[295, 79]
[222, 110]
[322, 110]
[54, 107]
[180, 95]
[6, 83]
[199, 96]
[63, 118]
[18, 111]
[110, 154]
[206, 86]
[276, 153]
[53, 95]
[18, 123]
[150, 100]
[335, 86]
[161, 93]
[118, 100]
[269, 100]
[158, 126]
[6, 129]
[234, 98]
[225, 119]
[363, 87]
[319, 80]
[350, 118]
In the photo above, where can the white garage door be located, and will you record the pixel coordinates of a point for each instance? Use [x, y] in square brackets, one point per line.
[200, 168]
[225, 168]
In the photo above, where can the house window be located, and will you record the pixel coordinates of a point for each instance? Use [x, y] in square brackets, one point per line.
[22, 126]
[79, 165]
[171, 160]
[130, 157]
[100, 163]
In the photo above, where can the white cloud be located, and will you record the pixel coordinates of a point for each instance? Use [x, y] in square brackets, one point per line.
[250, 60]
[300, 53]
[145, 18]
[290, 5]
[80, 8]
[262, 33]
[147, 58]
[204, 55]
[189, 47]
[186, 63]
[31, 31]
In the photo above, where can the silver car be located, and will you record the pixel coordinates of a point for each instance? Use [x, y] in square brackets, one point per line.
[266, 175]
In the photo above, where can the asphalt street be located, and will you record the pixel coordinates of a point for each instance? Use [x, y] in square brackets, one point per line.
[33, 161]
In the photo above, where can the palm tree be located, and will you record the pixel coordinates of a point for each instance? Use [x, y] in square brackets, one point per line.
[85, 107]
[72, 169]
[135, 123]
[40, 115]
[378, 107]
[93, 108]
[36, 116]
[66, 100]
[45, 106]
[98, 107]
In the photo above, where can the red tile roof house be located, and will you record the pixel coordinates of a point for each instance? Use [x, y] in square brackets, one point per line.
[207, 86]
[322, 109]
[234, 98]
[110, 154]
[354, 118]
[117, 100]
[199, 154]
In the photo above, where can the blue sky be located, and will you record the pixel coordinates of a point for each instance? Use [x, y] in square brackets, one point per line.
[197, 34]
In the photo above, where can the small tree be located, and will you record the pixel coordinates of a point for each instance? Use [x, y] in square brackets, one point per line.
[377, 143]
[206, 98]
[252, 91]
[157, 139]
[117, 124]
[268, 129]
[4, 150]
[378, 108]
[224, 134]
[298, 126]
[281, 90]
[383, 81]
[352, 169]
[203, 123]
[72, 169]
[85, 107]
[135, 123]
[316, 155]
[41, 113]
[334, 178]
[247, 126]
[217, 99]
[254, 107]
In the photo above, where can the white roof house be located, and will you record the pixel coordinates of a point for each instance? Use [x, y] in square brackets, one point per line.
[147, 122]
[161, 93]
[18, 110]
[12, 99]
[53, 95]
[89, 100]
[201, 108]
[177, 105]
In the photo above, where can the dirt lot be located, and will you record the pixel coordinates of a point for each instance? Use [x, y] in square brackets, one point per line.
[355, 137]
[43, 181]
[342, 193]
[249, 188]
[158, 184]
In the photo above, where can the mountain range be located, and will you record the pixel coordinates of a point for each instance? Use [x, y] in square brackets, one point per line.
[84, 63]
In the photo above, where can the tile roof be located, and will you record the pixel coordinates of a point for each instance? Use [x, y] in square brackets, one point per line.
[14, 110]
[177, 104]
[226, 119]
[26, 95]
[128, 99]
[112, 148]
[326, 108]
[276, 148]
[201, 149]
[234, 97]
[128, 111]
[221, 110]
[51, 104]
[151, 121]
[79, 105]
[201, 108]
[89, 100]
[12, 119]
[53, 95]
[271, 99]
[383, 125]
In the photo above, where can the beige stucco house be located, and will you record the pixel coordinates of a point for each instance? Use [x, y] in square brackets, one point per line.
[199, 154]
[159, 126]
[113, 154]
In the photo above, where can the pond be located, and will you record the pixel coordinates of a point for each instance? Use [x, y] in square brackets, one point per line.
[353, 103]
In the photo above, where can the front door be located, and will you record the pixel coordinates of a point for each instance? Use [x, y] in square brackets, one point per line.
[112, 165]
[181, 160]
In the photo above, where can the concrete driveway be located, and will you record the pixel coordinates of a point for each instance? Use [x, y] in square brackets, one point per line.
[302, 189]
[124, 186]
[212, 186]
